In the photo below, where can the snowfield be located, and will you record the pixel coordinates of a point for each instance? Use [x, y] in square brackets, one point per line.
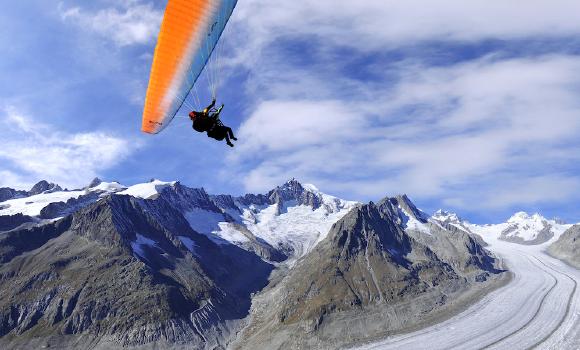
[147, 190]
[298, 226]
[32, 205]
[293, 227]
[520, 225]
[538, 309]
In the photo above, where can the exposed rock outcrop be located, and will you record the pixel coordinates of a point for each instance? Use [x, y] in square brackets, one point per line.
[123, 272]
[43, 187]
[567, 247]
[370, 268]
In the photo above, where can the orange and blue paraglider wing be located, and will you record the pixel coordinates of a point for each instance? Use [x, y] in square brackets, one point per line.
[189, 33]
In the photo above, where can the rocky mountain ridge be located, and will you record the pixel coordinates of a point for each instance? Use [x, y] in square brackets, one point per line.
[101, 271]
[376, 259]
[210, 264]
[43, 186]
[567, 247]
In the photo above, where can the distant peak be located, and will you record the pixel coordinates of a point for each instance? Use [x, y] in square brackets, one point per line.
[403, 198]
[520, 215]
[292, 182]
[44, 186]
[161, 182]
[442, 212]
[96, 182]
[523, 216]
[408, 207]
[446, 216]
[559, 221]
[311, 188]
[291, 186]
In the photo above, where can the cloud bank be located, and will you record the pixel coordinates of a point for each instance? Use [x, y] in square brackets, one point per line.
[32, 150]
[129, 23]
[359, 108]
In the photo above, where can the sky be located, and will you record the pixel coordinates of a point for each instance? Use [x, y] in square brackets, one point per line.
[472, 106]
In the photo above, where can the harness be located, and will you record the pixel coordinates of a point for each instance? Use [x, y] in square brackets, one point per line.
[201, 120]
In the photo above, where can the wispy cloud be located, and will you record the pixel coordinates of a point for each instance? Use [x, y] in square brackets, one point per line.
[347, 96]
[32, 150]
[129, 23]
[374, 24]
[436, 132]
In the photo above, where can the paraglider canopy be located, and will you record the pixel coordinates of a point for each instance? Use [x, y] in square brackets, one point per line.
[189, 34]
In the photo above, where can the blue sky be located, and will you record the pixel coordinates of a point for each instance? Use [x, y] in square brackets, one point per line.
[470, 106]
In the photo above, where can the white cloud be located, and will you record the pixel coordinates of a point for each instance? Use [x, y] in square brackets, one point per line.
[552, 188]
[129, 23]
[32, 150]
[475, 120]
[374, 24]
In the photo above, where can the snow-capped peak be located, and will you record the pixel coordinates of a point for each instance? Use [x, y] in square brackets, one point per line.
[523, 217]
[311, 188]
[44, 187]
[446, 217]
[292, 218]
[523, 228]
[33, 204]
[147, 190]
[108, 187]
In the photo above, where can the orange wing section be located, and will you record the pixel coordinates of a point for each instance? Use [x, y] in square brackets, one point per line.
[183, 18]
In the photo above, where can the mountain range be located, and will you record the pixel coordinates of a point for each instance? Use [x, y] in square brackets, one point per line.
[162, 265]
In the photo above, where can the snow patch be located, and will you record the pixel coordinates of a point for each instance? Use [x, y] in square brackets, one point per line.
[299, 227]
[189, 244]
[109, 187]
[139, 242]
[229, 233]
[203, 221]
[410, 223]
[32, 205]
[147, 190]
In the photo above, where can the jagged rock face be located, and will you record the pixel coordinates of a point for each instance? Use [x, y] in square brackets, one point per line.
[18, 242]
[567, 247]
[126, 270]
[293, 190]
[366, 259]
[95, 182]
[9, 193]
[405, 204]
[185, 198]
[258, 199]
[134, 271]
[445, 217]
[226, 202]
[447, 238]
[61, 209]
[10, 222]
[261, 223]
[42, 187]
[368, 265]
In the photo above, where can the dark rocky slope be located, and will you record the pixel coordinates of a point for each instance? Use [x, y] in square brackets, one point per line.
[368, 278]
[567, 247]
[122, 272]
